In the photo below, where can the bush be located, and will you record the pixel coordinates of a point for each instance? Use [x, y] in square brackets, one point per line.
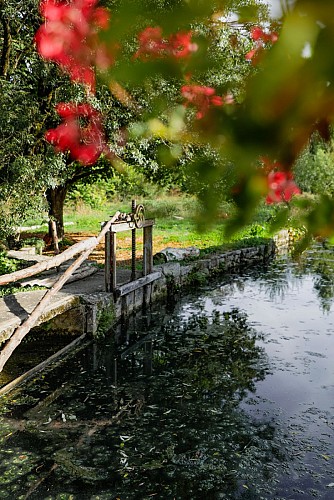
[7, 265]
[121, 186]
[314, 170]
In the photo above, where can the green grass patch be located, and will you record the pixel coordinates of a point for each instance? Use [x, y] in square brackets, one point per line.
[12, 288]
[175, 223]
[8, 265]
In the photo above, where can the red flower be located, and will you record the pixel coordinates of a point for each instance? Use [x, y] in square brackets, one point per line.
[85, 143]
[202, 98]
[261, 38]
[153, 45]
[69, 37]
[281, 187]
[257, 33]
[180, 45]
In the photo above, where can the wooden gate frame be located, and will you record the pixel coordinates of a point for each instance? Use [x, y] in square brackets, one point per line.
[110, 252]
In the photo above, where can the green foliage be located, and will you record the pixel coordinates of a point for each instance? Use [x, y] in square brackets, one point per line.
[155, 138]
[174, 207]
[197, 278]
[93, 196]
[106, 319]
[314, 169]
[121, 185]
[37, 243]
[7, 265]
[11, 289]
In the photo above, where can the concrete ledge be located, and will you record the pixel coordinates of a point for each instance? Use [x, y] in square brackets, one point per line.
[16, 308]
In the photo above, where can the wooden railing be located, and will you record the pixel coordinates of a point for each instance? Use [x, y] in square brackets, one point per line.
[84, 248]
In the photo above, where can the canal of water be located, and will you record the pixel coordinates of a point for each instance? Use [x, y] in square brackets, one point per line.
[227, 394]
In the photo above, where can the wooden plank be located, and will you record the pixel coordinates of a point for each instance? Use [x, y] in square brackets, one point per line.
[148, 251]
[31, 321]
[133, 254]
[134, 285]
[113, 246]
[26, 376]
[70, 252]
[107, 262]
[48, 282]
[118, 227]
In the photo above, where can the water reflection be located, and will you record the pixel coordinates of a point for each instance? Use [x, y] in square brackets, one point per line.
[157, 416]
[321, 263]
[228, 395]
[285, 274]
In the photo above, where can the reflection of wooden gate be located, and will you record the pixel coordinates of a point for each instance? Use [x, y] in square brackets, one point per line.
[129, 222]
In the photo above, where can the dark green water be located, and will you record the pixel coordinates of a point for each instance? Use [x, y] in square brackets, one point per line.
[227, 395]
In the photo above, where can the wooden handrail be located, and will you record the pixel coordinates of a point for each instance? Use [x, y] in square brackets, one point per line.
[25, 327]
[48, 264]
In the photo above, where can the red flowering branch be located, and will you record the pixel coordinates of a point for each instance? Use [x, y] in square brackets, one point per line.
[202, 98]
[261, 38]
[153, 45]
[69, 37]
[281, 187]
[85, 142]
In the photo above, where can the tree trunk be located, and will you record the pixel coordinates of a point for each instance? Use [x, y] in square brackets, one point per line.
[7, 42]
[56, 199]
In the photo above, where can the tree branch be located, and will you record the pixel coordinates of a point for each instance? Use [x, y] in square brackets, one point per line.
[7, 42]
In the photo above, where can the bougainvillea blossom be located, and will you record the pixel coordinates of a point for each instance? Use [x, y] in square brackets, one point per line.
[281, 187]
[202, 98]
[260, 38]
[69, 37]
[152, 44]
[84, 141]
[181, 45]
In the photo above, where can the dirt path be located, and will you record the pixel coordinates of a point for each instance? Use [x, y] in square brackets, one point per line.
[123, 245]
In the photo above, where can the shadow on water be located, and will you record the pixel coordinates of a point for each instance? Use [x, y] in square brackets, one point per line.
[191, 402]
[150, 415]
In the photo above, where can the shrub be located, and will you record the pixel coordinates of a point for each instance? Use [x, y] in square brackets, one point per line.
[314, 170]
[7, 265]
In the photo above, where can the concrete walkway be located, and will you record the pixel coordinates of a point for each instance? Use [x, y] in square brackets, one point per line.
[16, 307]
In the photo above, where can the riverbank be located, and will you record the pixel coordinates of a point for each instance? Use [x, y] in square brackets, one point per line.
[228, 392]
[84, 309]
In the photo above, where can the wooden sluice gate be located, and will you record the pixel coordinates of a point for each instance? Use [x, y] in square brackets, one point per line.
[133, 221]
[43, 306]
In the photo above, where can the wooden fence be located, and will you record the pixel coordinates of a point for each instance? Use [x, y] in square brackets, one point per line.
[84, 248]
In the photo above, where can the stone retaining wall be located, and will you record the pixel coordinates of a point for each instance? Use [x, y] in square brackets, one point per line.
[100, 311]
[179, 275]
[97, 313]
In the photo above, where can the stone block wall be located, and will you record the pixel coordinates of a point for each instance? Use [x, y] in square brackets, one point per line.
[176, 275]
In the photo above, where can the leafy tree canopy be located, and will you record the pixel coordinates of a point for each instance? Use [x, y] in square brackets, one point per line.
[31, 87]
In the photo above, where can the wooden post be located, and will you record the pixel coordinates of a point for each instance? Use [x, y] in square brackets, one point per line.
[133, 245]
[113, 244]
[148, 250]
[53, 227]
[107, 262]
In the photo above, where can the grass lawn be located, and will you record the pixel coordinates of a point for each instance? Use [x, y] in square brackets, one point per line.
[174, 227]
